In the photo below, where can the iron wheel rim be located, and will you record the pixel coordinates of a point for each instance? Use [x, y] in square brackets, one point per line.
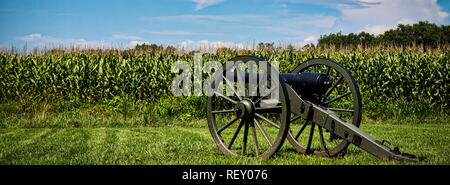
[267, 142]
[341, 145]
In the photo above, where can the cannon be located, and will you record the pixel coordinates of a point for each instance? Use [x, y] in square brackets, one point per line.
[318, 110]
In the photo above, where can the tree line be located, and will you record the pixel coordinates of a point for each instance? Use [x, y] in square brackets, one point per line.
[423, 33]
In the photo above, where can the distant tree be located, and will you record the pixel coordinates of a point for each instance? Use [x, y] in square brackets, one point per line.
[289, 47]
[266, 46]
[149, 47]
[171, 49]
[223, 50]
[421, 33]
[309, 46]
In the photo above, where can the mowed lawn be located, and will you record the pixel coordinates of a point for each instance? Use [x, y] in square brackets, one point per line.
[187, 145]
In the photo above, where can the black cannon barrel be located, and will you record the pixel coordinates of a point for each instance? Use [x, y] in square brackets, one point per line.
[232, 76]
[305, 82]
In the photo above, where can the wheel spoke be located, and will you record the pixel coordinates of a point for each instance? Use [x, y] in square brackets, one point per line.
[224, 97]
[222, 111]
[267, 120]
[311, 134]
[334, 86]
[235, 135]
[273, 109]
[227, 125]
[322, 141]
[232, 87]
[295, 119]
[263, 96]
[344, 95]
[263, 132]
[244, 142]
[301, 129]
[255, 140]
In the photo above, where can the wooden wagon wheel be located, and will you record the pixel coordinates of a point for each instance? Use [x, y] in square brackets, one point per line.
[343, 97]
[231, 118]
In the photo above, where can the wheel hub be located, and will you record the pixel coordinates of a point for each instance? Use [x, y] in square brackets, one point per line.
[245, 109]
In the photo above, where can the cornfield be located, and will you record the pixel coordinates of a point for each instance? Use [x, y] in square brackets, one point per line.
[93, 77]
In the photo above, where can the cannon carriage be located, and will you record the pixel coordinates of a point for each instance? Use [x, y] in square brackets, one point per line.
[317, 109]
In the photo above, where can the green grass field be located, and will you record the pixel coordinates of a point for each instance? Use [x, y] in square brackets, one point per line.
[116, 107]
[194, 145]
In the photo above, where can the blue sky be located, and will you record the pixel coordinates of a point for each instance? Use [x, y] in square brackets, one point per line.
[194, 23]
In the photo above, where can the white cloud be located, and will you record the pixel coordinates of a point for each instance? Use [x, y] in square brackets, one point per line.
[210, 45]
[38, 40]
[376, 29]
[405, 21]
[339, 4]
[125, 37]
[316, 20]
[442, 15]
[200, 4]
[384, 14]
[31, 37]
[41, 39]
[301, 26]
[377, 16]
[310, 39]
